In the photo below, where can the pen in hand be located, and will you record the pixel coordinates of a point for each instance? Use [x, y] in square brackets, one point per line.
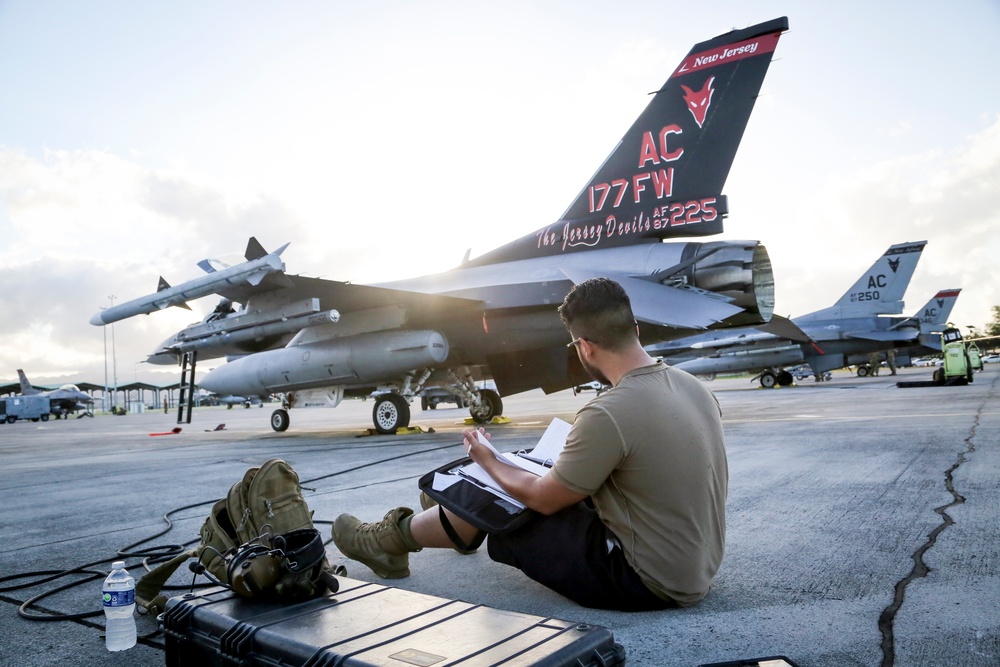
[471, 437]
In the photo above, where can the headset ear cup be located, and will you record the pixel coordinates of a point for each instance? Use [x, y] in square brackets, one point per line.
[253, 571]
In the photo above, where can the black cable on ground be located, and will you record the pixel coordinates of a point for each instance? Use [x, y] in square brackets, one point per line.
[148, 557]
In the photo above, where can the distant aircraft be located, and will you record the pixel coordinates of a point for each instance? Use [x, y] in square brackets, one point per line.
[316, 341]
[230, 401]
[63, 401]
[855, 326]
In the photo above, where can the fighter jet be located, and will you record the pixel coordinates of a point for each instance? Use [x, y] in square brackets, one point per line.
[860, 323]
[494, 316]
[63, 401]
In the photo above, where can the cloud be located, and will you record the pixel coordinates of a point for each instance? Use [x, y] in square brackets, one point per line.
[946, 197]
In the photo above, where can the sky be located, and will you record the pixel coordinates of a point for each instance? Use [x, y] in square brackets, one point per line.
[384, 139]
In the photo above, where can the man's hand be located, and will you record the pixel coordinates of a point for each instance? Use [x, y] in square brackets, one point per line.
[475, 449]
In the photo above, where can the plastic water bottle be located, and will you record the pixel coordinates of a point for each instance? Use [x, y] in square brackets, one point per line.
[119, 605]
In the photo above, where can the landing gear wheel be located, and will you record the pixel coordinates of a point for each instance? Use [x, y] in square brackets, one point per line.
[280, 420]
[767, 380]
[785, 379]
[390, 413]
[491, 407]
[864, 371]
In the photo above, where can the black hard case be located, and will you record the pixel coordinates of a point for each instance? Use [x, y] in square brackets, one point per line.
[370, 624]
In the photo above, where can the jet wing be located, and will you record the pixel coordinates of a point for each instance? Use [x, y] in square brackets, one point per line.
[348, 297]
[785, 328]
[661, 305]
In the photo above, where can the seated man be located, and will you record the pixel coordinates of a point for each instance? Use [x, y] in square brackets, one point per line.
[647, 456]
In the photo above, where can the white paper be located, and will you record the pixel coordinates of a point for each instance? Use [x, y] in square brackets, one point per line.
[442, 482]
[477, 472]
[524, 464]
[486, 443]
[551, 444]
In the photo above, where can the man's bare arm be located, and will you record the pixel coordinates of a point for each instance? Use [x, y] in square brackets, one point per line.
[542, 494]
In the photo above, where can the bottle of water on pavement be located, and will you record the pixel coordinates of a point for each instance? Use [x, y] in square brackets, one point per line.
[119, 604]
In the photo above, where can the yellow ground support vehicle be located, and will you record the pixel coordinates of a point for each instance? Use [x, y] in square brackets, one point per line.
[956, 368]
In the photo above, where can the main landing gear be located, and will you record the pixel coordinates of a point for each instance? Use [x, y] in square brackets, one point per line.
[392, 411]
[769, 379]
[392, 408]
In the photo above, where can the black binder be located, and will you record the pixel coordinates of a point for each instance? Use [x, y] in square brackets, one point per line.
[474, 502]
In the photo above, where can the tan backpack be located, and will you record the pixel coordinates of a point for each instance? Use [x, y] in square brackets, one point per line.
[259, 540]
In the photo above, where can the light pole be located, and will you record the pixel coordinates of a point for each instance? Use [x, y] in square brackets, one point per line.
[114, 359]
[104, 400]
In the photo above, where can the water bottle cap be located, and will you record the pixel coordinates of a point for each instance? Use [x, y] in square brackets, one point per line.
[118, 565]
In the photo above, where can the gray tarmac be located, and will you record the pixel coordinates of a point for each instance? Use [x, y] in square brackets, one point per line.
[863, 519]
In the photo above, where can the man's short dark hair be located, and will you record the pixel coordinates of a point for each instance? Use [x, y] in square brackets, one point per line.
[599, 311]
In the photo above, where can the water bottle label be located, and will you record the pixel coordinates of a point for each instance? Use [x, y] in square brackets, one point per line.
[119, 598]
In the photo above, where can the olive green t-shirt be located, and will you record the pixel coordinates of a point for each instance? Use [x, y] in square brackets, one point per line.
[651, 454]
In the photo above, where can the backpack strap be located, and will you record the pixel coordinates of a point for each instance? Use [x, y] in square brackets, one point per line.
[147, 589]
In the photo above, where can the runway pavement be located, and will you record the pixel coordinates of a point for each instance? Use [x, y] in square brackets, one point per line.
[863, 519]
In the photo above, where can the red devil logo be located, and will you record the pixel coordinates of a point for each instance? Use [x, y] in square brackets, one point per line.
[699, 101]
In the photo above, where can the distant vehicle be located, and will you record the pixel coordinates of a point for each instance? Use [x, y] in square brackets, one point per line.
[230, 401]
[590, 386]
[33, 407]
[991, 358]
[804, 373]
[920, 363]
[431, 397]
[955, 367]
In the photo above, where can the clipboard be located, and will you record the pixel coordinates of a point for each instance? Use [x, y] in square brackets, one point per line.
[458, 487]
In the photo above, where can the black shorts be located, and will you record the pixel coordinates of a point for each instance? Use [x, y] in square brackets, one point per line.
[568, 552]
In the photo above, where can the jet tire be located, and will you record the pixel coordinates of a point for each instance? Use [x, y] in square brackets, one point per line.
[391, 412]
[491, 406]
[280, 420]
[767, 380]
[785, 379]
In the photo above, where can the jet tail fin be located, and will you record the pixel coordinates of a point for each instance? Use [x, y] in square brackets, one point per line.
[26, 388]
[933, 317]
[880, 289]
[665, 177]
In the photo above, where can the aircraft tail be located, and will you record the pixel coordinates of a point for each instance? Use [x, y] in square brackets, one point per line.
[933, 317]
[26, 388]
[880, 289]
[665, 176]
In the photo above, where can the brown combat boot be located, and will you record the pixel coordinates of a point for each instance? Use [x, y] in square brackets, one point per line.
[384, 546]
